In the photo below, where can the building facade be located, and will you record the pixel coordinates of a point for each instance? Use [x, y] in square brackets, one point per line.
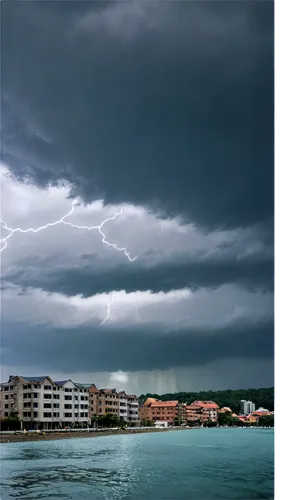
[132, 408]
[201, 412]
[74, 404]
[123, 407]
[42, 403]
[168, 411]
[109, 401]
[246, 407]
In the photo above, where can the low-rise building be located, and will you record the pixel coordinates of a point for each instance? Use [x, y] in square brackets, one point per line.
[160, 423]
[202, 411]
[169, 411]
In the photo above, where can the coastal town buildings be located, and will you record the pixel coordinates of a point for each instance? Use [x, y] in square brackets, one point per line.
[109, 401]
[42, 403]
[174, 412]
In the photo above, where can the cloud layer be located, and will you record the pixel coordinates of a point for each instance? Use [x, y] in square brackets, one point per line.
[164, 111]
[165, 105]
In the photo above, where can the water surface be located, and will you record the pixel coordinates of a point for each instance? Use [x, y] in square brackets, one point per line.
[201, 464]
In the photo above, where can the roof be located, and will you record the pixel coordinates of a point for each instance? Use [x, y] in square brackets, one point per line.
[164, 404]
[225, 408]
[260, 413]
[208, 405]
[84, 386]
[149, 401]
[35, 379]
[62, 382]
[109, 391]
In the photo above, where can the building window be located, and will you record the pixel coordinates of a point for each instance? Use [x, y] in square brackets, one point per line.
[27, 414]
[68, 407]
[7, 406]
[56, 396]
[35, 394]
[35, 414]
[76, 415]
[47, 405]
[6, 414]
[47, 387]
[47, 415]
[68, 415]
[6, 388]
[24, 387]
[35, 386]
[56, 405]
[35, 405]
[7, 396]
[68, 398]
[47, 396]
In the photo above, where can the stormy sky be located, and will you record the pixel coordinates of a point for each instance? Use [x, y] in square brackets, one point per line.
[163, 111]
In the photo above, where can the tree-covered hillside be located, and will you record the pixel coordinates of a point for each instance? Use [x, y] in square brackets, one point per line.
[231, 398]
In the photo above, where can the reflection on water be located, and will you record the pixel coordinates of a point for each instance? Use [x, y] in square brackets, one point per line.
[200, 464]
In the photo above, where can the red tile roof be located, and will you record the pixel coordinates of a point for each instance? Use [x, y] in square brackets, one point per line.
[149, 401]
[164, 404]
[260, 413]
[208, 405]
[193, 406]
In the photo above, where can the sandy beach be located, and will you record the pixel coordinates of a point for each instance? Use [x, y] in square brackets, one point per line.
[14, 438]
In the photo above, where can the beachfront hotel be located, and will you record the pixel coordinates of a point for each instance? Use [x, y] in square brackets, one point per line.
[42, 403]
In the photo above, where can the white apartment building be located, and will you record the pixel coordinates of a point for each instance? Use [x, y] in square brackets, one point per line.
[44, 404]
[132, 408]
[74, 404]
[123, 406]
[246, 407]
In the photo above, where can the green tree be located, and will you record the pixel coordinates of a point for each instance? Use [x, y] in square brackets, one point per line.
[266, 421]
[11, 423]
[108, 420]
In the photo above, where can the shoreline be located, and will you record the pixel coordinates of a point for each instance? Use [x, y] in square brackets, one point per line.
[17, 438]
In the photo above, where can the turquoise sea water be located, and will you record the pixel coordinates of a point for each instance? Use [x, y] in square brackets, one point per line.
[198, 464]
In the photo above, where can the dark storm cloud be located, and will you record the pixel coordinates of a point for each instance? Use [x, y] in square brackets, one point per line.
[88, 349]
[88, 280]
[165, 104]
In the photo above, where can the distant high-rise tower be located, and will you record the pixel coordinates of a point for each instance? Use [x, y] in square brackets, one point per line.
[246, 407]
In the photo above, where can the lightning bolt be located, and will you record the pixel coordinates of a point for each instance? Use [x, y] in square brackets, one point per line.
[108, 315]
[68, 223]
